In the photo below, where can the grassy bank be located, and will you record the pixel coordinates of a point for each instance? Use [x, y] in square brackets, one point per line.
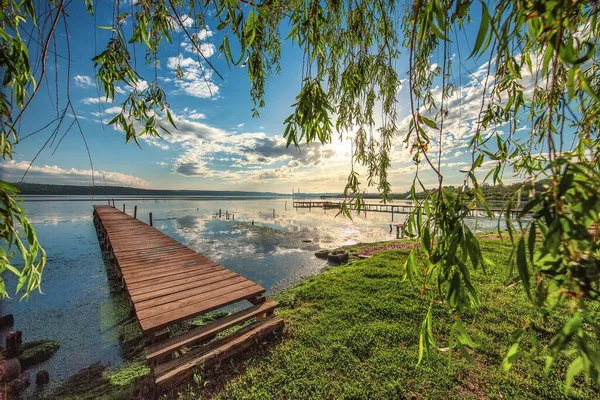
[352, 332]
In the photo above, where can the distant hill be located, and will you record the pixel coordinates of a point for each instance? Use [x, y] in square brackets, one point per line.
[54, 190]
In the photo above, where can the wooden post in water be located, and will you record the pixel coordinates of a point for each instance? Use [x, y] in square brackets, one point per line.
[123, 207]
[150, 219]
[113, 203]
[252, 222]
[135, 212]
[273, 213]
[219, 213]
[233, 217]
[109, 202]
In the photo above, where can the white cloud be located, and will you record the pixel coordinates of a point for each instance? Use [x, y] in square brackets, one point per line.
[196, 80]
[240, 125]
[186, 21]
[95, 100]
[207, 49]
[192, 114]
[59, 175]
[83, 81]
[141, 85]
[108, 112]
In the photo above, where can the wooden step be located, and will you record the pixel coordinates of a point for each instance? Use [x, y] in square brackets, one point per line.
[173, 371]
[207, 331]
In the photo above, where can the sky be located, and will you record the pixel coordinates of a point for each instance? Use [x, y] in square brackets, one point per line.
[218, 144]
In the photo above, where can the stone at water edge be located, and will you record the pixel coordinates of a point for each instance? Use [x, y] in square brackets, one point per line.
[14, 342]
[9, 369]
[10, 390]
[42, 377]
[38, 351]
[7, 321]
[322, 253]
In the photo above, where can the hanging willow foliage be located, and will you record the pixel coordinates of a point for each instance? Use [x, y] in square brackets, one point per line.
[350, 81]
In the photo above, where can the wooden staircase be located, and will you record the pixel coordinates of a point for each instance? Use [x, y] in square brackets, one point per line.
[176, 358]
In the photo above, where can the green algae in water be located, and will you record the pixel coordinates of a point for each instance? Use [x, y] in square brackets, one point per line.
[117, 319]
[98, 382]
[37, 352]
[128, 374]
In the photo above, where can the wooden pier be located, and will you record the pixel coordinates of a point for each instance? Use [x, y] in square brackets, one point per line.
[386, 208]
[166, 283]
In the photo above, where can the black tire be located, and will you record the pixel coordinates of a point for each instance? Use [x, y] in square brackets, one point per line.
[338, 256]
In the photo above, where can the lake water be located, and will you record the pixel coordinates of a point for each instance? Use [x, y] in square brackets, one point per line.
[75, 308]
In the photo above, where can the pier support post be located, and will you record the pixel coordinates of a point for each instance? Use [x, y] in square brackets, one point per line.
[135, 212]
[150, 219]
[123, 207]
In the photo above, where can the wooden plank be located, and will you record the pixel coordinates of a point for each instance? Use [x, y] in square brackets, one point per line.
[217, 351]
[166, 264]
[201, 292]
[160, 257]
[173, 284]
[207, 331]
[154, 291]
[188, 267]
[149, 249]
[165, 274]
[132, 258]
[175, 313]
[211, 296]
[154, 281]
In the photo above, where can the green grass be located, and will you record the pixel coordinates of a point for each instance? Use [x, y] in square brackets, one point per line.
[352, 333]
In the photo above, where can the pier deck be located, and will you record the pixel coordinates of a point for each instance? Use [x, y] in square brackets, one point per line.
[166, 283]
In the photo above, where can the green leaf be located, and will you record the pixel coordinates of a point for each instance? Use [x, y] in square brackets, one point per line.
[575, 368]
[484, 27]
[522, 266]
[511, 357]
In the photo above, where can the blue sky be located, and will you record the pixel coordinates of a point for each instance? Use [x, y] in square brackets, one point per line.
[219, 145]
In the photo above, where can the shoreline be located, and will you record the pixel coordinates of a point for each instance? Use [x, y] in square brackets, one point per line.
[352, 330]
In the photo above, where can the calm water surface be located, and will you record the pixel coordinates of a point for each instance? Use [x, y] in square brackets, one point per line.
[75, 308]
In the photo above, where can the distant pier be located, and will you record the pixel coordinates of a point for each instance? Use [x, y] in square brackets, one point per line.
[389, 208]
